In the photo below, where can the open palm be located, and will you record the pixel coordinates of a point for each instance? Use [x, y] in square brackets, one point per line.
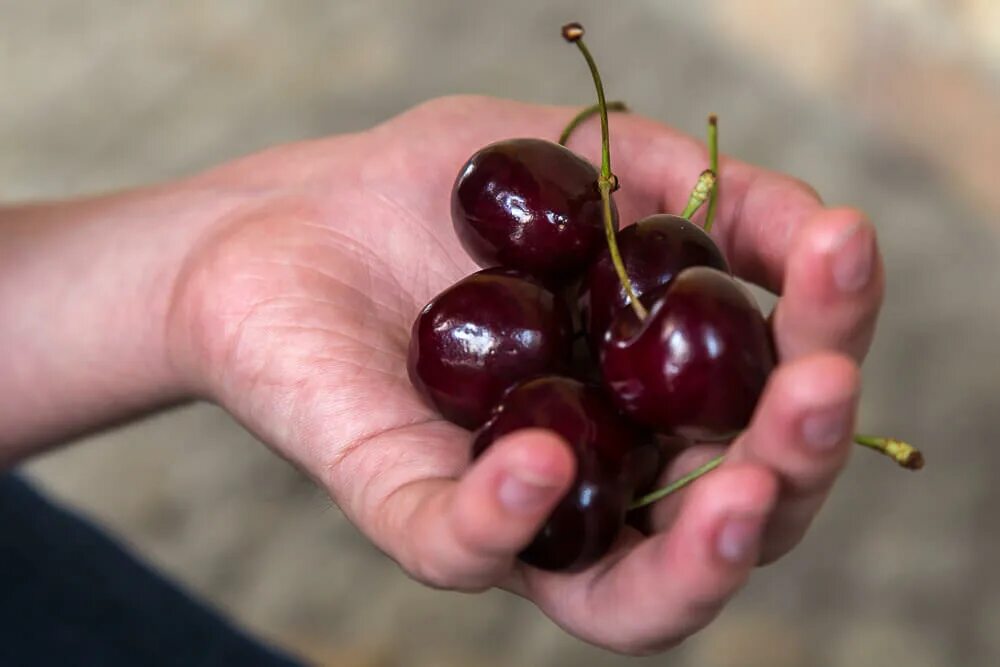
[295, 314]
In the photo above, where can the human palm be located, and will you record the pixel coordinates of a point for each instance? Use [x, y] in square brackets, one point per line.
[295, 312]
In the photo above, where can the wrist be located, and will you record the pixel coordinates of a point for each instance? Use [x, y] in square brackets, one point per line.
[86, 289]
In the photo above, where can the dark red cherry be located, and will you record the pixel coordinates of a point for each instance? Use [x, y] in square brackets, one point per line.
[650, 458]
[653, 250]
[648, 462]
[483, 334]
[532, 205]
[587, 520]
[697, 364]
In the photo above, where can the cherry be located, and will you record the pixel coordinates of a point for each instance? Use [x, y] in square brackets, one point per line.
[486, 351]
[587, 520]
[529, 204]
[483, 334]
[653, 250]
[650, 458]
[697, 364]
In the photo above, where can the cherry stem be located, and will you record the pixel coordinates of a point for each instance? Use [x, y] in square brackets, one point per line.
[676, 485]
[702, 190]
[903, 453]
[607, 182]
[713, 164]
[615, 105]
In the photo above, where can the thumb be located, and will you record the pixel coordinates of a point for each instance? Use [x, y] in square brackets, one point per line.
[466, 534]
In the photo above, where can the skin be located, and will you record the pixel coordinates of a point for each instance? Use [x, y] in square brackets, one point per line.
[283, 286]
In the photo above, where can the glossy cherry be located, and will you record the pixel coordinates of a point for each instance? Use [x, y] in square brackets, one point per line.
[587, 520]
[697, 364]
[653, 250]
[483, 334]
[529, 204]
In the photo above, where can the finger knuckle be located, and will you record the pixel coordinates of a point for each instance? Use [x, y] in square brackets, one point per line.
[430, 571]
[453, 104]
[805, 187]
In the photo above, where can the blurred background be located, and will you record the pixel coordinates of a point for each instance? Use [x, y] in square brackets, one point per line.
[893, 106]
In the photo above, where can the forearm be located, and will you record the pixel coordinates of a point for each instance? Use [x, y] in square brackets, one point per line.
[85, 289]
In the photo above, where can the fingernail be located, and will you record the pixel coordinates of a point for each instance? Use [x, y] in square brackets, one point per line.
[738, 540]
[853, 257]
[828, 427]
[521, 491]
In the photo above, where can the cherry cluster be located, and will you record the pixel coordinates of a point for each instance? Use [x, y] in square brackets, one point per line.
[628, 344]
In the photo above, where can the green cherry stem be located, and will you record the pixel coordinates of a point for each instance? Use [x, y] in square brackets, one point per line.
[707, 186]
[608, 182]
[676, 485]
[903, 453]
[713, 164]
[615, 105]
[702, 191]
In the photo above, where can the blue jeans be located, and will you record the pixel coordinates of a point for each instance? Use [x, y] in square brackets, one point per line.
[69, 595]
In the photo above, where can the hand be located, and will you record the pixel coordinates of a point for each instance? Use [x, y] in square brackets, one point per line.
[294, 313]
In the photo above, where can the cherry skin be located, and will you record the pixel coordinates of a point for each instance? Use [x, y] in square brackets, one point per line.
[532, 205]
[483, 334]
[653, 250]
[697, 364]
[587, 520]
[649, 461]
